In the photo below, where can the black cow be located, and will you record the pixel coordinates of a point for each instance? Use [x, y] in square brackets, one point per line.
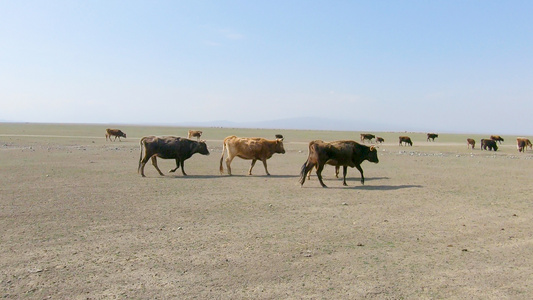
[432, 136]
[343, 153]
[489, 143]
[406, 140]
[380, 140]
[169, 147]
[367, 136]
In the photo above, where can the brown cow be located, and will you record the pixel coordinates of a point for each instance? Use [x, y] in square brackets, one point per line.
[470, 142]
[250, 148]
[114, 132]
[432, 136]
[380, 140]
[169, 147]
[490, 144]
[194, 133]
[496, 138]
[406, 140]
[523, 143]
[367, 136]
[343, 153]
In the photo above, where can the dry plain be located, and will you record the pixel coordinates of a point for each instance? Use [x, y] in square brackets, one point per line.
[433, 221]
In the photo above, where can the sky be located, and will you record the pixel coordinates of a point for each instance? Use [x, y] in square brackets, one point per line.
[446, 66]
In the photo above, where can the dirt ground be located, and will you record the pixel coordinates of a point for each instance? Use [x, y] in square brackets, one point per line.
[433, 221]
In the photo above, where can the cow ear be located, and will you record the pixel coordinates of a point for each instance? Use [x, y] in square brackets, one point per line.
[372, 148]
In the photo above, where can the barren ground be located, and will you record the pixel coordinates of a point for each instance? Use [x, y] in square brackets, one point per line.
[433, 221]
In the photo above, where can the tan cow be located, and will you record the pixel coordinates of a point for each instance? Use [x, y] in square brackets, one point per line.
[470, 143]
[523, 143]
[194, 133]
[114, 132]
[250, 148]
[497, 138]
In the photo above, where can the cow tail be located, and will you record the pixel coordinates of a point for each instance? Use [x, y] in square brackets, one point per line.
[222, 157]
[141, 157]
[303, 173]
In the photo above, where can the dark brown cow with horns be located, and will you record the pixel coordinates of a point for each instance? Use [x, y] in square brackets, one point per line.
[250, 148]
[109, 132]
[169, 147]
[342, 153]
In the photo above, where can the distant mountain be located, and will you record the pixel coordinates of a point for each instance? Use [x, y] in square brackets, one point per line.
[303, 123]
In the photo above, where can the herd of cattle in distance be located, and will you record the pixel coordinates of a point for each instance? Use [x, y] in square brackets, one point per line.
[345, 153]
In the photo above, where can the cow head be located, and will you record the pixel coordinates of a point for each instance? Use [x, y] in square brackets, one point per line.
[202, 148]
[279, 146]
[372, 155]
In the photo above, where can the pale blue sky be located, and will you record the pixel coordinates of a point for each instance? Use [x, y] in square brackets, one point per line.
[448, 66]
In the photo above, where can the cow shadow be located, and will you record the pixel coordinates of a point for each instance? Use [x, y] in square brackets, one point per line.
[192, 177]
[378, 187]
[259, 176]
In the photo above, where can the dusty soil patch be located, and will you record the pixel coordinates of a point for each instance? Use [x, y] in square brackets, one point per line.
[432, 221]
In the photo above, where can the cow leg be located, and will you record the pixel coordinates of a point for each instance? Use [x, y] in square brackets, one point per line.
[251, 166]
[319, 175]
[265, 164]
[344, 172]
[228, 163]
[154, 163]
[177, 166]
[337, 171]
[143, 163]
[183, 168]
[361, 171]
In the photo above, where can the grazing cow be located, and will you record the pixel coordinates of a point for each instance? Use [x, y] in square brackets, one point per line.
[496, 138]
[169, 147]
[470, 142]
[279, 136]
[341, 153]
[367, 136]
[406, 140]
[380, 140]
[432, 136]
[250, 148]
[194, 133]
[490, 144]
[523, 143]
[114, 132]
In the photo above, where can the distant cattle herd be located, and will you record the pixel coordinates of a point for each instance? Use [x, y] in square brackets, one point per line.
[345, 153]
